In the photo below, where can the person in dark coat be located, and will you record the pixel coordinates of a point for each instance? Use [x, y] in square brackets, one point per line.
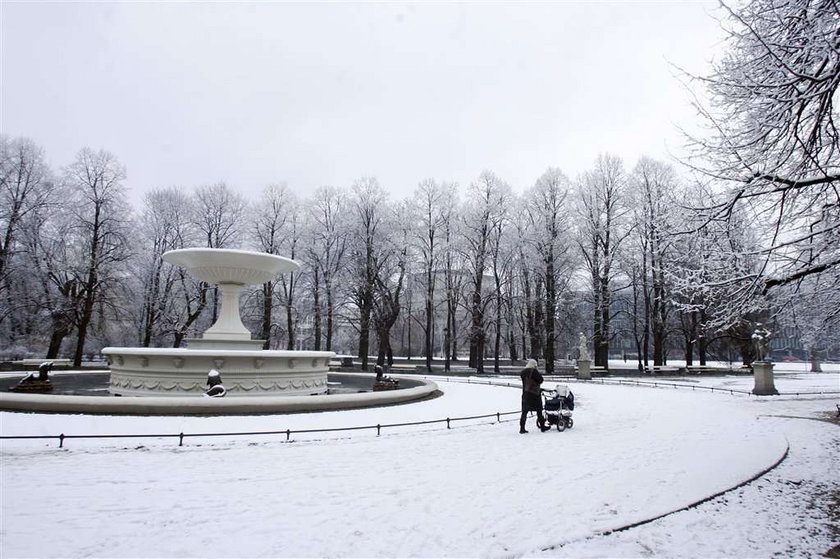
[531, 400]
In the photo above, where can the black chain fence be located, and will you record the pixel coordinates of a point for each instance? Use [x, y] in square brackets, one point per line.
[287, 432]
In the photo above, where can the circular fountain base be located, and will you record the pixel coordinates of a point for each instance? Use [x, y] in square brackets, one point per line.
[413, 389]
[183, 372]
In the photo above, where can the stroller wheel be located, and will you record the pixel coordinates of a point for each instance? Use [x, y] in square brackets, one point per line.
[561, 425]
[570, 422]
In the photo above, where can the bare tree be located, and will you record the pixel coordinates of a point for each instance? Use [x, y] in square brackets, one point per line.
[654, 214]
[453, 275]
[500, 261]
[547, 210]
[96, 182]
[52, 295]
[163, 225]
[604, 227]
[529, 285]
[712, 277]
[327, 247]
[277, 229]
[368, 205]
[25, 186]
[218, 216]
[809, 308]
[431, 200]
[772, 132]
[487, 200]
[391, 263]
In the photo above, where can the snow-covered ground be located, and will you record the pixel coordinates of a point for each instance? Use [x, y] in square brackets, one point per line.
[478, 489]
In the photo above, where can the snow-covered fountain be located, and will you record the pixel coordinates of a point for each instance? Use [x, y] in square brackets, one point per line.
[246, 369]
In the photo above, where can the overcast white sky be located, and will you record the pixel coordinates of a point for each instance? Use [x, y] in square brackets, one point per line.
[325, 93]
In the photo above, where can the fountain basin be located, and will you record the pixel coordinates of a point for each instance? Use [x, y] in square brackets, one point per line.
[180, 372]
[416, 389]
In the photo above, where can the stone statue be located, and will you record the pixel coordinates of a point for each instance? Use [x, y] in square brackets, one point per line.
[584, 352]
[384, 382]
[761, 343]
[214, 382]
[44, 370]
[39, 382]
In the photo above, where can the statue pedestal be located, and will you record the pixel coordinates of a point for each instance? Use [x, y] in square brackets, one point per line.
[386, 384]
[763, 374]
[33, 386]
[584, 372]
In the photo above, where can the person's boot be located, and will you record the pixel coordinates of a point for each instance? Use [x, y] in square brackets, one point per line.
[544, 427]
[522, 429]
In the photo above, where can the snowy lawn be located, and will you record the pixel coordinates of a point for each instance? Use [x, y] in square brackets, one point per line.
[479, 489]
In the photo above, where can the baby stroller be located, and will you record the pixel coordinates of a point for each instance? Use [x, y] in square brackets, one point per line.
[557, 407]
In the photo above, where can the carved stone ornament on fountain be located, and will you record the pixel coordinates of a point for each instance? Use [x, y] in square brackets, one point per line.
[227, 345]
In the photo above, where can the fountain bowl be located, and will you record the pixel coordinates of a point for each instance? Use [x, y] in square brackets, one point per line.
[230, 266]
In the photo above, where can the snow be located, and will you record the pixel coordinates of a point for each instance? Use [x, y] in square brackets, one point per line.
[477, 489]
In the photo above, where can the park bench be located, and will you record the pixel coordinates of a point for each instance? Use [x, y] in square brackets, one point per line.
[345, 360]
[663, 370]
[36, 362]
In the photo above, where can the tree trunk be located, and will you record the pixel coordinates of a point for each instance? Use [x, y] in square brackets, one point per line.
[382, 351]
[84, 322]
[550, 310]
[408, 333]
[637, 335]
[151, 297]
[316, 307]
[290, 319]
[477, 332]
[191, 317]
[447, 340]
[364, 330]
[268, 300]
[605, 324]
[689, 351]
[691, 335]
[330, 314]
[429, 320]
[497, 342]
[454, 337]
[648, 312]
[60, 330]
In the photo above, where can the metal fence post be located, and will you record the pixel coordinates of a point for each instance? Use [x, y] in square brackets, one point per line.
[61, 441]
[181, 439]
